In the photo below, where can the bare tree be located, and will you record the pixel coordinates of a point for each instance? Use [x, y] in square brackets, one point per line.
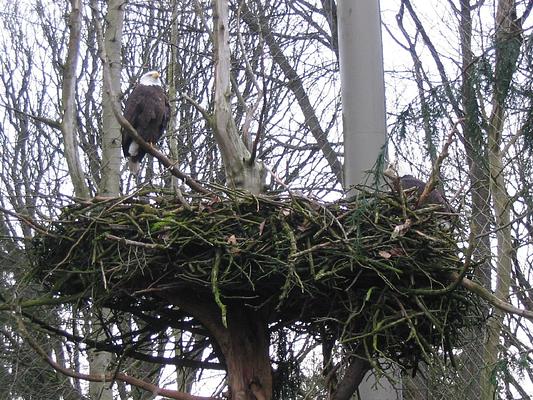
[488, 69]
[68, 123]
[262, 91]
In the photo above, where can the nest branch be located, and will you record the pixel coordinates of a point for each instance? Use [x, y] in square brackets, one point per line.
[291, 258]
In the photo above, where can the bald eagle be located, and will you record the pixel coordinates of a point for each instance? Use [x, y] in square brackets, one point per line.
[148, 111]
[434, 197]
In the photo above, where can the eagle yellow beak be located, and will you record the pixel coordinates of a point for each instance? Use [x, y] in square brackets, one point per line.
[156, 74]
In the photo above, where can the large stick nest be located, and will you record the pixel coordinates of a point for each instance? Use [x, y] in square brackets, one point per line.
[373, 270]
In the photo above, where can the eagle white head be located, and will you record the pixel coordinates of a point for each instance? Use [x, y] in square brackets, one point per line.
[151, 78]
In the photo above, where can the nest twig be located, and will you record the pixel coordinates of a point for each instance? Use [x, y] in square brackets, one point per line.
[298, 259]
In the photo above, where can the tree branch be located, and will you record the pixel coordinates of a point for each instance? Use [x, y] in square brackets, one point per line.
[208, 117]
[526, 13]
[110, 377]
[435, 172]
[25, 219]
[250, 111]
[488, 296]
[52, 123]
[436, 57]
[114, 348]
[68, 103]
[41, 301]
[124, 123]
[295, 84]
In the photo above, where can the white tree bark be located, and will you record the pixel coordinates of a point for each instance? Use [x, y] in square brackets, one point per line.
[68, 103]
[173, 74]
[111, 135]
[99, 362]
[241, 171]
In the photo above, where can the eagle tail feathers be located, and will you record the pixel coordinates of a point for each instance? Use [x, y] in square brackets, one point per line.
[134, 166]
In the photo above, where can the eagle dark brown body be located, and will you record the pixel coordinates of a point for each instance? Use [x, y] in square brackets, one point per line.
[148, 111]
[434, 197]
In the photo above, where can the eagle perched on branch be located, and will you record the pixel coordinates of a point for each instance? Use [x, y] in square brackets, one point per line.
[148, 111]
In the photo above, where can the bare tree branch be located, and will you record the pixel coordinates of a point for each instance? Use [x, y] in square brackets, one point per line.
[491, 298]
[170, 165]
[48, 121]
[69, 123]
[295, 84]
[173, 394]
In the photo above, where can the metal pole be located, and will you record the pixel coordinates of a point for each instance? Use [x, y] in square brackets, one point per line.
[363, 88]
[363, 116]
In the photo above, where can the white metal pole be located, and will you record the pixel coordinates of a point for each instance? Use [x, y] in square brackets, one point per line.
[363, 115]
[363, 88]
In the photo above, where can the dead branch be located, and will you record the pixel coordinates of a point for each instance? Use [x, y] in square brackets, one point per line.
[124, 123]
[139, 383]
[488, 296]
[435, 172]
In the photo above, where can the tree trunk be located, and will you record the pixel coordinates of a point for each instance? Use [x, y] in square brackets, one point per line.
[111, 135]
[244, 342]
[100, 361]
[241, 171]
[352, 379]
[480, 222]
[508, 41]
[68, 102]
[173, 75]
